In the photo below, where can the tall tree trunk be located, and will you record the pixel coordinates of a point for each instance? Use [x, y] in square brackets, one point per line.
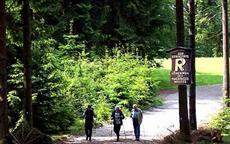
[192, 91]
[183, 106]
[3, 74]
[225, 50]
[26, 16]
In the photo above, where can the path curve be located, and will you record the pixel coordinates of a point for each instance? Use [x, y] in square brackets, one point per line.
[158, 122]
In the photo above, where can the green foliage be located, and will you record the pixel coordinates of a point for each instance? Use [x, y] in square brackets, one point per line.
[15, 92]
[105, 25]
[130, 80]
[51, 113]
[102, 59]
[104, 83]
[102, 110]
[222, 121]
[226, 138]
[77, 127]
[208, 26]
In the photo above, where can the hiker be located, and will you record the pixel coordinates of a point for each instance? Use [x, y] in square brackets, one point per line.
[89, 118]
[137, 116]
[117, 117]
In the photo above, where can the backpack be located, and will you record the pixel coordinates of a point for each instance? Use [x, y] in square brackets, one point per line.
[89, 114]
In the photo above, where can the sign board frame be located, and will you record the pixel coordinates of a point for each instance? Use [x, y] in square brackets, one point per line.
[181, 65]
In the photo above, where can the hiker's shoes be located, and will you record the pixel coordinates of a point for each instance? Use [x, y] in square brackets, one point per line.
[88, 138]
[118, 137]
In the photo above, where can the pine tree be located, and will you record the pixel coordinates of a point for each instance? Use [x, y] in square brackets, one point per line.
[3, 74]
[192, 92]
[182, 89]
[225, 51]
[26, 15]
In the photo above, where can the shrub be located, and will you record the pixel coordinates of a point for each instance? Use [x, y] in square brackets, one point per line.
[104, 83]
[222, 121]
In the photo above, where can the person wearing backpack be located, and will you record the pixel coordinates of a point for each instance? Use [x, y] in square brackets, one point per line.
[89, 118]
[137, 116]
[117, 117]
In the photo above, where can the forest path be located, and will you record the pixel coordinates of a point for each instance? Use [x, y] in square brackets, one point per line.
[161, 121]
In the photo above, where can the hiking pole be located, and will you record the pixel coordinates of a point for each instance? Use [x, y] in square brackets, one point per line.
[143, 130]
[111, 129]
[93, 132]
[124, 130]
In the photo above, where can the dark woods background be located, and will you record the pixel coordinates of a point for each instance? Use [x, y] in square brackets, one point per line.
[99, 52]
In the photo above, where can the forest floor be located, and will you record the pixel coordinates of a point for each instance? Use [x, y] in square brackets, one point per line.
[160, 121]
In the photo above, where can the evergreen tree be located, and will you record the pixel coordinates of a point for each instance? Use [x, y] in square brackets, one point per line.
[225, 51]
[27, 59]
[192, 92]
[3, 75]
[208, 29]
[182, 89]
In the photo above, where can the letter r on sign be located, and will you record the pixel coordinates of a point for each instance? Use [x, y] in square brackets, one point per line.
[179, 63]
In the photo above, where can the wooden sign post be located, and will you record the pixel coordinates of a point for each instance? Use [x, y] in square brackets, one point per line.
[181, 76]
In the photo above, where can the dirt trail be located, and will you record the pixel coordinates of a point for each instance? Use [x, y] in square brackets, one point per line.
[158, 122]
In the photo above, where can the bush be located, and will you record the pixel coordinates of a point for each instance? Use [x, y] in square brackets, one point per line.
[222, 121]
[104, 83]
[64, 84]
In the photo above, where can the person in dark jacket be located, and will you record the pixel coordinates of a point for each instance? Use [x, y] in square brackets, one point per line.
[89, 118]
[117, 117]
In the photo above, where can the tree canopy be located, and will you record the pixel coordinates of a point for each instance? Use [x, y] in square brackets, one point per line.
[99, 52]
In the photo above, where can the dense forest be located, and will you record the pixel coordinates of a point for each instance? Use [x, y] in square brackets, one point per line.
[99, 52]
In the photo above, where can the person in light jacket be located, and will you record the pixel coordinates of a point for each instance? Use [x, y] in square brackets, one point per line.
[137, 116]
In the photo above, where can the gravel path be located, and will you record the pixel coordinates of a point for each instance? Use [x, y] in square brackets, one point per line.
[158, 122]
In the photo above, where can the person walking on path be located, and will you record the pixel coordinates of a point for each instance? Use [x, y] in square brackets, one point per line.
[89, 118]
[117, 117]
[137, 116]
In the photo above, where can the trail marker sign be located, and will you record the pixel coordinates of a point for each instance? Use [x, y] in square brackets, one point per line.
[181, 66]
